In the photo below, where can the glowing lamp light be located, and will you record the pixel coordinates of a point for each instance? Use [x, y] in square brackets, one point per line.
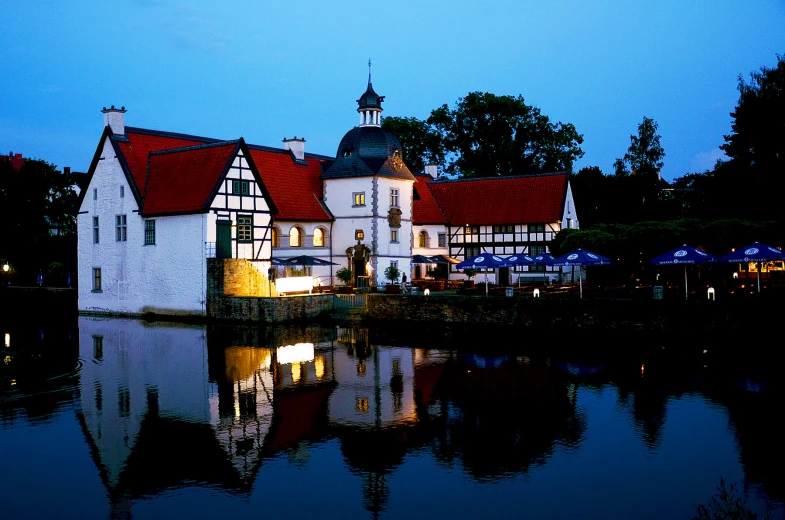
[710, 293]
[735, 276]
[536, 293]
[7, 340]
[6, 267]
[298, 353]
[427, 292]
[319, 365]
[294, 284]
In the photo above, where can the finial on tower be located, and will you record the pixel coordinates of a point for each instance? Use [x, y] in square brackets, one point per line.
[369, 70]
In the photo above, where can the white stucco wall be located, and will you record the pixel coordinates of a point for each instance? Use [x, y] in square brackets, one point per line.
[136, 278]
[569, 211]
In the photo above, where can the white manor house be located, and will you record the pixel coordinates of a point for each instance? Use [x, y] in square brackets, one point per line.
[160, 204]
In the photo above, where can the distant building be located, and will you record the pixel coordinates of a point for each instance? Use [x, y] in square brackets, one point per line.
[16, 160]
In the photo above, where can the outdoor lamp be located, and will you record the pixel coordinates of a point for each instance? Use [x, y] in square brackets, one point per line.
[536, 293]
[735, 276]
[710, 293]
[427, 292]
[6, 267]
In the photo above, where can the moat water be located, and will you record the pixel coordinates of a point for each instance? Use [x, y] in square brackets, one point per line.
[110, 418]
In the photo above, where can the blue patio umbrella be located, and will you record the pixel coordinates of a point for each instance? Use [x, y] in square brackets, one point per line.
[755, 252]
[684, 255]
[519, 259]
[306, 260]
[580, 258]
[483, 261]
[421, 259]
[544, 259]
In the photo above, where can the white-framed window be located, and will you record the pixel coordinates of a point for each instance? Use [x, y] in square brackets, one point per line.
[394, 236]
[394, 263]
[394, 197]
[245, 228]
[442, 239]
[149, 232]
[358, 198]
[240, 187]
[121, 228]
[95, 230]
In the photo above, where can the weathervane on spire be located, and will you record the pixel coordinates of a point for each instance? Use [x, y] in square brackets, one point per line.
[369, 70]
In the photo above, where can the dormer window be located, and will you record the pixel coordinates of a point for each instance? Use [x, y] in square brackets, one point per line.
[347, 153]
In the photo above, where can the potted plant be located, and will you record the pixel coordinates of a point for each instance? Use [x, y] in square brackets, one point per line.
[470, 273]
[344, 274]
[392, 273]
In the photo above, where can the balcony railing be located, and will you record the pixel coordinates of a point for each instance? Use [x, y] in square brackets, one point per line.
[306, 242]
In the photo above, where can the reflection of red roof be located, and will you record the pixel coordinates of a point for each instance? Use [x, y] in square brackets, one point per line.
[182, 181]
[297, 417]
[425, 210]
[502, 200]
[426, 377]
[295, 188]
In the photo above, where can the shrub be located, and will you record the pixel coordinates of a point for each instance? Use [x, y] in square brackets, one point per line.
[344, 274]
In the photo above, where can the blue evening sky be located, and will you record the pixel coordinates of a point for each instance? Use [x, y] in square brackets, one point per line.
[268, 70]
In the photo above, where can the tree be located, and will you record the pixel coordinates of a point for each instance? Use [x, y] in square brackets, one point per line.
[758, 129]
[645, 154]
[392, 273]
[420, 143]
[486, 135]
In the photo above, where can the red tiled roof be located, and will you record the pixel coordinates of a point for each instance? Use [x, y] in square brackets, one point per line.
[295, 188]
[139, 145]
[182, 181]
[502, 200]
[425, 210]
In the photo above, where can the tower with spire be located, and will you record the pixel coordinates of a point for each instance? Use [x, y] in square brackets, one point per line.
[370, 104]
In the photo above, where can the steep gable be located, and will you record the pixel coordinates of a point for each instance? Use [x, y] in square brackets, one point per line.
[425, 210]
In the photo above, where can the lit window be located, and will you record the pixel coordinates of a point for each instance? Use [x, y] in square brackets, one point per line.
[442, 239]
[296, 237]
[276, 236]
[423, 239]
[394, 236]
[394, 196]
[245, 228]
[318, 237]
[359, 198]
[472, 230]
[96, 279]
[149, 232]
[121, 234]
[95, 230]
[504, 229]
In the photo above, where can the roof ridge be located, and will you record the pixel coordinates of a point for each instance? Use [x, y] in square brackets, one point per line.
[527, 176]
[265, 148]
[174, 135]
[196, 147]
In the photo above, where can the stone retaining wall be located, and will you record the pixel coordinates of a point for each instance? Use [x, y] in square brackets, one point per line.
[269, 310]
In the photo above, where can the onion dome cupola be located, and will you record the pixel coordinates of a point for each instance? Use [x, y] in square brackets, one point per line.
[368, 149]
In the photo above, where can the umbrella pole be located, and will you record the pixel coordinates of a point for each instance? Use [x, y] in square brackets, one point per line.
[486, 282]
[580, 279]
[758, 276]
[686, 291]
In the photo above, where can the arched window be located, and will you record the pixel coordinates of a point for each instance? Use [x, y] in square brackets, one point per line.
[319, 237]
[424, 242]
[276, 237]
[296, 235]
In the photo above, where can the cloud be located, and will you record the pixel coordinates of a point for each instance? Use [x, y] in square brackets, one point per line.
[706, 160]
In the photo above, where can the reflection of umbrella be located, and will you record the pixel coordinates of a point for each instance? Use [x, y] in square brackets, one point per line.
[420, 259]
[483, 261]
[40, 277]
[579, 259]
[756, 252]
[305, 260]
[68, 280]
[684, 255]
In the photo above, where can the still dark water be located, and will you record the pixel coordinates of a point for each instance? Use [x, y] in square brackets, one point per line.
[107, 418]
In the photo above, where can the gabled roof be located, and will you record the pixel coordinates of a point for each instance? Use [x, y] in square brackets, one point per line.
[294, 187]
[184, 180]
[501, 200]
[425, 210]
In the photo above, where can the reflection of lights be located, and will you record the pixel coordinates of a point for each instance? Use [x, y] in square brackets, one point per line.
[360, 369]
[13, 382]
[427, 292]
[362, 404]
[7, 339]
[295, 353]
[319, 364]
[642, 368]
[7, 360]
[237, 407]
[536, 293]
[296, 371]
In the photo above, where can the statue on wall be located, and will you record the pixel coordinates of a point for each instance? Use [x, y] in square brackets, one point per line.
[394, 217]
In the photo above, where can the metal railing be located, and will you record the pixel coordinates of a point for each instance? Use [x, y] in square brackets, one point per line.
[305, 242]
[350, 301]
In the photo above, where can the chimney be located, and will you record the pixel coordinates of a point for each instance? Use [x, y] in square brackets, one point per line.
[296, 146]
[430, 169]
[114, 118]
[66, 170]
